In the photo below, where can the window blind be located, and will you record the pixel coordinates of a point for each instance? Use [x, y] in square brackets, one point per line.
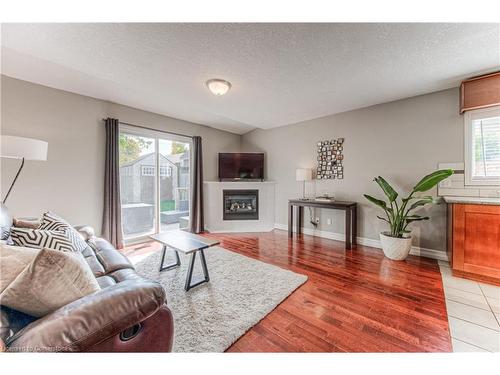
[486, 147]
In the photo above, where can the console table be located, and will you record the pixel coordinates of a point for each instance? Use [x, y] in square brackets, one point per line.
[350, 216]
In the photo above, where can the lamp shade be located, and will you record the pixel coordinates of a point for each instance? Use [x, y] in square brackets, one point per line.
[303, 174]
[19, 147]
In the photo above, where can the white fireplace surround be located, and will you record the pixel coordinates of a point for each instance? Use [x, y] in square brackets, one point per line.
[213, 206]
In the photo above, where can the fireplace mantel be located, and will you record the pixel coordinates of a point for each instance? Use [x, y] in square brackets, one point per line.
[213, 205]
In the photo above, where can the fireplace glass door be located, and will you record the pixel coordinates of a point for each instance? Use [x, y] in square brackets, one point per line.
[241, 205]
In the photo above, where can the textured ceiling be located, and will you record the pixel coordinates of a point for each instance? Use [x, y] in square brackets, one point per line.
[281, 73]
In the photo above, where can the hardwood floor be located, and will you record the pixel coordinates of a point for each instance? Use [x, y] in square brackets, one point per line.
[354, 300]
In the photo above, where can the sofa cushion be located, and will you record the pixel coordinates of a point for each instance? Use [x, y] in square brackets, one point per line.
[110, 258]
[117, 277]
[113, 260]
[105, 281]
[104, 260]
[51, 280]
[93, 262]
[125, 274]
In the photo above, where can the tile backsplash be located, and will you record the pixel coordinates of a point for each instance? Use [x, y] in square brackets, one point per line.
[455, 185]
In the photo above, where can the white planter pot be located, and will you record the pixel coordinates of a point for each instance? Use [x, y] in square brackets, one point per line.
[395, 248]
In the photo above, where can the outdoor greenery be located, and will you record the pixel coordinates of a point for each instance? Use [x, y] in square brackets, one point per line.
[398, 215]
[131, 147]
[167, 205]
[178, 148]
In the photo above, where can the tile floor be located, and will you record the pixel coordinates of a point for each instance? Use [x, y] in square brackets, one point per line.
[473, 313]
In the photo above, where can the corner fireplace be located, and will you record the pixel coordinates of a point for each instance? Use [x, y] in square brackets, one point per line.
[240, 204]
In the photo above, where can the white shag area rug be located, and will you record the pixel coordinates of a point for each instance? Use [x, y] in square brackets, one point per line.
[212, 316]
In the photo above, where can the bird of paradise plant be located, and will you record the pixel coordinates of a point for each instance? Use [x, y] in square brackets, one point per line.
[399, 215]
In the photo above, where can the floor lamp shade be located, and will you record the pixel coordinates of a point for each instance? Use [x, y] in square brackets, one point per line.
[23, 148]
[13, 147]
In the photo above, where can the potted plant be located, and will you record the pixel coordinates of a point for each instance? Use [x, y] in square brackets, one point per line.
[396, 243]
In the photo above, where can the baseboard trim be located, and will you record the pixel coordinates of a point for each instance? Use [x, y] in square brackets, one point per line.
[245, 230]
[418, 251]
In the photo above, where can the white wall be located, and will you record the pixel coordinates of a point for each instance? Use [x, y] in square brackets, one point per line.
[401, 141]
[71, 182]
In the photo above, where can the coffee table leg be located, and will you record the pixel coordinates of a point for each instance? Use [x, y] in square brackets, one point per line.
[204, 265]
[169, 266]
[189, 275]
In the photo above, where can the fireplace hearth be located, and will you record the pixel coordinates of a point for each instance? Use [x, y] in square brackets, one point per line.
[240, 204]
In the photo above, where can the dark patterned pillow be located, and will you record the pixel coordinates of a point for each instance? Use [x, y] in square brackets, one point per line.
[51, 221]
[48, 239]
[4, 232]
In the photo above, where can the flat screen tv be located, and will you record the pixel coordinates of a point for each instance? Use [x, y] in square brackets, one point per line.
[241, 166]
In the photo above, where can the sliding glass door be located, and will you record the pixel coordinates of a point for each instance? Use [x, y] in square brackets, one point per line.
[175, 176]
[155, 176]
[137, 184]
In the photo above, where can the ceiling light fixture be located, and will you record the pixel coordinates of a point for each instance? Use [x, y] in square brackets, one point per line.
[218, 87]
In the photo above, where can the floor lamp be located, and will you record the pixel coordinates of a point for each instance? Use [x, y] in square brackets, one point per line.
[24, 149]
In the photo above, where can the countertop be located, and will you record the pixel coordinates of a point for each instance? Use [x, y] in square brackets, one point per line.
[473, 200]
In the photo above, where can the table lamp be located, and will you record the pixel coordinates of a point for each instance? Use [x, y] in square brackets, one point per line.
[22, 148]
[303, 174]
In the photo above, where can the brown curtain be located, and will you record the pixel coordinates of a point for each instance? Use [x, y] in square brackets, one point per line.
[196, 210]
[112, 216]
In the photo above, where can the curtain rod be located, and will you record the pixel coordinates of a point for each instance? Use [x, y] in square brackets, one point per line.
[156, 130]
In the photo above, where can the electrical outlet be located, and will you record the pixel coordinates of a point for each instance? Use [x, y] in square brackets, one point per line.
[328, 221]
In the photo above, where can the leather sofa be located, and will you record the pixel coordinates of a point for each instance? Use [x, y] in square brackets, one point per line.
[128, 314]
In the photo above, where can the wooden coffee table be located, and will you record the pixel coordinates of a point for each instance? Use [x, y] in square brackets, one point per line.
[187, 243]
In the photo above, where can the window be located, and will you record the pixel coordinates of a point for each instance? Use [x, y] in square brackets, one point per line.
[165, 171]
[482, 147]
[147, 170]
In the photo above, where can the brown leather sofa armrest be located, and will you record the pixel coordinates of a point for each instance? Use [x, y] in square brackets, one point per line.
[86, 231]
[91, 319]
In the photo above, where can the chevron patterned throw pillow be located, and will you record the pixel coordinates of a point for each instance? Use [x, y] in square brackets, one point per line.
[40, 239]
[52, 222]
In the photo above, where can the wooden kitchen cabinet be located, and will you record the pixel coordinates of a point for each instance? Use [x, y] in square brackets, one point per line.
[474, 241]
